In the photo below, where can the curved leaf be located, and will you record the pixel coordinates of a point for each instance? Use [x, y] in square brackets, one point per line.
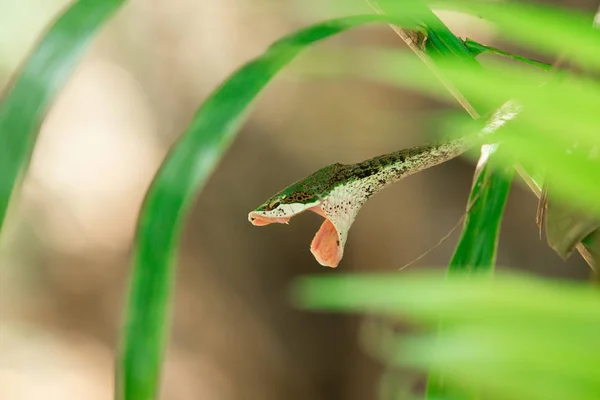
[44, 73]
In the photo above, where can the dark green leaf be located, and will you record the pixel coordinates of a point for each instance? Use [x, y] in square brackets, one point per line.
[476, 249]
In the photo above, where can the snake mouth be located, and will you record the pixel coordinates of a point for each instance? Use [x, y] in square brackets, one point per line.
[261, 220]
[326, 246]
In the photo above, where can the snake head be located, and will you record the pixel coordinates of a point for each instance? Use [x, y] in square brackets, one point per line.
[318, 193]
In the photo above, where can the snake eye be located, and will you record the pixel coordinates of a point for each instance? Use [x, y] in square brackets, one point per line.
[274, 205]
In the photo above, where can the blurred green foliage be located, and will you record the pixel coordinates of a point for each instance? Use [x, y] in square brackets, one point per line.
[511, 337]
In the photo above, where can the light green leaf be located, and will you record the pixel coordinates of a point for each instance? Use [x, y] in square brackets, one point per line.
[546, 28]
[513, 337]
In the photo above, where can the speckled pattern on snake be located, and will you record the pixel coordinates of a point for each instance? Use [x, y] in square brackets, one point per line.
[338, 191]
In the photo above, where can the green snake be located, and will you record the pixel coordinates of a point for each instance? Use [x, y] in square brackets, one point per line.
[338, 191]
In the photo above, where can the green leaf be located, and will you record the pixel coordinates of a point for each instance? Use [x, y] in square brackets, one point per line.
[181, 177]
[505, 296]
[477, 48]
[476, 249]
[37, 83]
[513, 337]
[567, 226]
[547, 29]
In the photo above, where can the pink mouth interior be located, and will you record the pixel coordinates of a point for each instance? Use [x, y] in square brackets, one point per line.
[325, 246]
[259, 220]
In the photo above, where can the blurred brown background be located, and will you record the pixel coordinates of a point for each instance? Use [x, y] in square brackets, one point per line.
[64, 259]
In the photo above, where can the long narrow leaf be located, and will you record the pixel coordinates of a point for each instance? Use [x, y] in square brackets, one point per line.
[476, 249]
[37, 83]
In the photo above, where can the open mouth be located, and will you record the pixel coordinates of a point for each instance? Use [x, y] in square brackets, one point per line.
[260, 220]
[326, 246]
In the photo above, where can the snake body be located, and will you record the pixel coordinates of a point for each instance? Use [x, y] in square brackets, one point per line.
[338, 191]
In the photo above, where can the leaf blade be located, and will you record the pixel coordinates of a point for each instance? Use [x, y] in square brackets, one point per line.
[476, 249]
[33, 89]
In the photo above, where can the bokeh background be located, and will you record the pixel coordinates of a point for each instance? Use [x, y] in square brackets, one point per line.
[64, 255]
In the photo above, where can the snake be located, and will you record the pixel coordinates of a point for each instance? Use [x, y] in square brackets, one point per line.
[338, 191]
